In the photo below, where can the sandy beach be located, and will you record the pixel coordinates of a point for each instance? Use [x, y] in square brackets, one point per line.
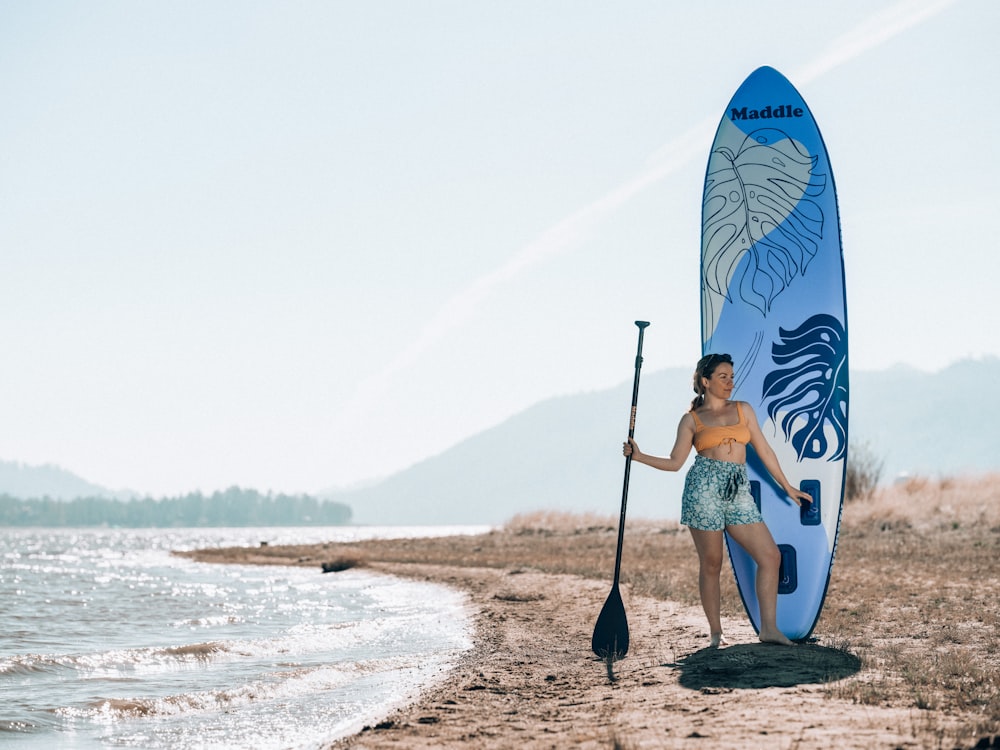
[532, 681]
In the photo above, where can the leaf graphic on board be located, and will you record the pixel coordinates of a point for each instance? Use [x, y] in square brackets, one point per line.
[810, 383]
[758, 199]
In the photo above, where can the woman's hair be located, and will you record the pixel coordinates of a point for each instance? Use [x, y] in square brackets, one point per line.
[705, 369]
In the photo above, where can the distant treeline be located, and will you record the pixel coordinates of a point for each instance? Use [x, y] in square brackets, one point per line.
[234, 507]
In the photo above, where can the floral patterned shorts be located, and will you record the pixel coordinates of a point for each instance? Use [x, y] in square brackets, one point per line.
[717, 495]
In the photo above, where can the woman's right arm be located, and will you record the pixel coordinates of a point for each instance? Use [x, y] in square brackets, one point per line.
[677, 457]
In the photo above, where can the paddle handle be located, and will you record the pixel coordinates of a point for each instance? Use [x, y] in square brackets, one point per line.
[642, 324]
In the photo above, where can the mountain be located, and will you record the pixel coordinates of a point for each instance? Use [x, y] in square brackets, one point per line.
[561, 454]
[22, 480]
[565, 453]
[922, 424]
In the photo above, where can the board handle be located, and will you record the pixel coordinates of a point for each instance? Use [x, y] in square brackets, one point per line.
[810, 514]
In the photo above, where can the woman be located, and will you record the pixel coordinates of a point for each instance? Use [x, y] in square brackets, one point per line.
[717, 494]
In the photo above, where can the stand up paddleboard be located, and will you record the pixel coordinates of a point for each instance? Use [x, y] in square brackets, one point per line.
[772, 295]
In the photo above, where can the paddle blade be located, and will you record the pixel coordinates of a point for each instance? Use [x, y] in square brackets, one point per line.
[611, 631]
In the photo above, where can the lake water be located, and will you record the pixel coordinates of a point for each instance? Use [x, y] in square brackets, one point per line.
[107, 640]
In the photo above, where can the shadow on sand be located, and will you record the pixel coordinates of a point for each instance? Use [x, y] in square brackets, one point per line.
[763, 665]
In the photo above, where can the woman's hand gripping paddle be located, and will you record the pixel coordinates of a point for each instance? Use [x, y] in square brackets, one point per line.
[610, 639]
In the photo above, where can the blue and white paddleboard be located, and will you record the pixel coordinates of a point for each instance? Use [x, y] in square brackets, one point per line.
[772, 293]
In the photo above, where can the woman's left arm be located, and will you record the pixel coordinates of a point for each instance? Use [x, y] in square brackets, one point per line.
[767, 457]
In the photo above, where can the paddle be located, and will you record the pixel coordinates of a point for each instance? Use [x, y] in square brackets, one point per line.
[610, 639]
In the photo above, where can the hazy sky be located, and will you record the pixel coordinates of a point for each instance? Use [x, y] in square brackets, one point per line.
[297, 245]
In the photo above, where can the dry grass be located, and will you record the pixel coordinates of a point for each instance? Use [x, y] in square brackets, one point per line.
[914, 592]
[915, 589]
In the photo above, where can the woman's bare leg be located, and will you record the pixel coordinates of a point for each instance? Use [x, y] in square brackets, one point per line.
[709, 546]
[759, 544]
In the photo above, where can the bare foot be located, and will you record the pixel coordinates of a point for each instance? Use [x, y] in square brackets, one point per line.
[718, 639]
[774, 636]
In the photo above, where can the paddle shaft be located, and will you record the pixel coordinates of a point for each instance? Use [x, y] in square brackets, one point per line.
[642, 324]
[610, 640]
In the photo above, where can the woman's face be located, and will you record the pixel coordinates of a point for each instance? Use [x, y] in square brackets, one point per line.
[721, 383]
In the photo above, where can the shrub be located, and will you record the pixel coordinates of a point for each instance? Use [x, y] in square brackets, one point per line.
[864, 472]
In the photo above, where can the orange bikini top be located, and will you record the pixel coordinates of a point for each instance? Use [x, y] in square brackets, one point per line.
[711, 437]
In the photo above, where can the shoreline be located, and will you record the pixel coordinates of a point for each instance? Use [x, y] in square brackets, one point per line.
[906, 653]
[530, 679]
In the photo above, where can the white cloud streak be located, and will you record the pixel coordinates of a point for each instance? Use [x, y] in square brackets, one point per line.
[572, 231]
[872, 33]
